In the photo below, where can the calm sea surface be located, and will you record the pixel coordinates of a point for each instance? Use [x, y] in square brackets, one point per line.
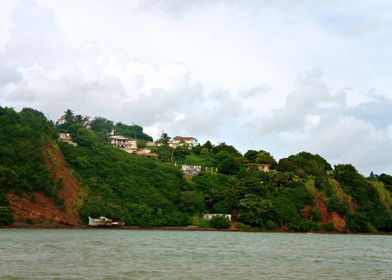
[126, 254]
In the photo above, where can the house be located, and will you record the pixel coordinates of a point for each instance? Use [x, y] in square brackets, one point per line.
[190, 170]
[122, 142]
[67, 138]
[62, 120]
[264, 167]
[185, 141]
[210, 216]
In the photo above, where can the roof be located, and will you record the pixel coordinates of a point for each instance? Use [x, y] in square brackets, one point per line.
[183, 138]
[119, 137]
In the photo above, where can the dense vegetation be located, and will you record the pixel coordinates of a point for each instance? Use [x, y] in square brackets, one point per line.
[149, 192]
[22, 166]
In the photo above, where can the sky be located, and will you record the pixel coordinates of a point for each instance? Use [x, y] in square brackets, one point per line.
[283, 76]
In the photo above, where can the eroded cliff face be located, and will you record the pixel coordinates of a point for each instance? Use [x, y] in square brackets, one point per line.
[326, 217]
[38, 209]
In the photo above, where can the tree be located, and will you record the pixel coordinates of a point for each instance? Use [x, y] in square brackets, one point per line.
[254, 210]
[229, 166]
[102, 126]
[223, 147]
[265, 157]
[251, 156]
[181, 152]
[164, 139]
[191, 201]
[69, 115]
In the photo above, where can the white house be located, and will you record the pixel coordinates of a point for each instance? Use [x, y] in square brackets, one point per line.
[180, 140]
[119, 141]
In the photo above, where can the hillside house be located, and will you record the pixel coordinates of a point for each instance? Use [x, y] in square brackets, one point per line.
[67, 138]
[264, 167]
[61, 120]
[185, 141]
[123, 143]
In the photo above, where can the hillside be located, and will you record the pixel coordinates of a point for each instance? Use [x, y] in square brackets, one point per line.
[44, 181]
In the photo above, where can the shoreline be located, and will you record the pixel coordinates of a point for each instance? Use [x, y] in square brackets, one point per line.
[191, 229]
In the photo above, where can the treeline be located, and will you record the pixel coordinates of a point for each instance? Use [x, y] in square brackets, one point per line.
[101, 126]
[149, 192]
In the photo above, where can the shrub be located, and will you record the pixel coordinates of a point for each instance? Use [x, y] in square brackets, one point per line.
[358, 222]
[219, 222]
[6, 217]
[270, 225]
[329, 227]
[200, 222]
[315, 215]
[246, 227]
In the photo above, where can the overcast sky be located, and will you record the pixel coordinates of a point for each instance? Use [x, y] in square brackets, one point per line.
[279, 75]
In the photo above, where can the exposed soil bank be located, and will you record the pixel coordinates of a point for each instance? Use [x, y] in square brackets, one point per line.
[37, 209]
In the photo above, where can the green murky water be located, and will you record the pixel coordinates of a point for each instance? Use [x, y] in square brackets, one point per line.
[125, 254]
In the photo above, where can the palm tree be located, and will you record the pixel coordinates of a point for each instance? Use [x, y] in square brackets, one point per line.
[69, 115]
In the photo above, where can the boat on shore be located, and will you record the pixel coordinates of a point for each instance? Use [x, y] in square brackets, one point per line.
[103, 222]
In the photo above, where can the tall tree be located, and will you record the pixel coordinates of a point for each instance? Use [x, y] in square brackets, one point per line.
[164, 139]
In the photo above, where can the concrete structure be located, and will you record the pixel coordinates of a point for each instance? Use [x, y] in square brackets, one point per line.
[264, 167]
[210, 216]
[182, 141]
[151, 144]
[190, 170]
[119, 141]
[146, 153]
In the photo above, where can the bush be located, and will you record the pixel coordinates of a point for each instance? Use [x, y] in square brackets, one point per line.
[200, 222]
[358, 222]
[315, 215]
[270, 225]
[219, 222]
[334, 204]
[246, 227]
[6, 217]
[329, 227]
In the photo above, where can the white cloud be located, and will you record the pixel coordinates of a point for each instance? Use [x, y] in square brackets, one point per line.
[221, 70]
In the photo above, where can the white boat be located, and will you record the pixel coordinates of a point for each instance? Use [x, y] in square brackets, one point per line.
[103, 222]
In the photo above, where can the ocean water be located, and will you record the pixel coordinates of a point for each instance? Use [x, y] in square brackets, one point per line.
[129, 254]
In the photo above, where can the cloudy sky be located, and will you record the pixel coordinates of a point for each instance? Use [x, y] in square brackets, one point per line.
[282, 75]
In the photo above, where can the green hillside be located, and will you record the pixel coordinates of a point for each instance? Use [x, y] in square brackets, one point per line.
[302, 192]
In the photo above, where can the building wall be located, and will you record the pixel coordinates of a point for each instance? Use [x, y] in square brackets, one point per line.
[210, 216]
